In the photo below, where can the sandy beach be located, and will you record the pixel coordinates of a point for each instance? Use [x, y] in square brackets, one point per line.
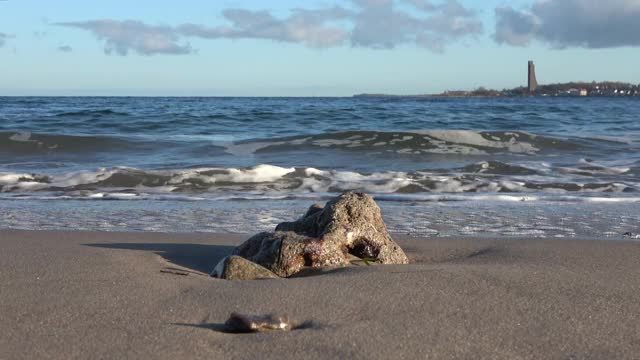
[116, 295]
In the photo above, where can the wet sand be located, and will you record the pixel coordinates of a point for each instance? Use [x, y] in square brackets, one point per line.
[71, 295]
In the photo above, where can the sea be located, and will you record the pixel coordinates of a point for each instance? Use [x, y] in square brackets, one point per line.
[438, 167]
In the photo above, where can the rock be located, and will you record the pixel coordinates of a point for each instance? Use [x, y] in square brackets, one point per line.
[348, 225]
[238, 268]
[354, 221]
[239, 323]
[280, 252]
[315, 208]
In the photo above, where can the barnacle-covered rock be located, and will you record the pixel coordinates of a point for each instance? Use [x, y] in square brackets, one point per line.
[281, 252]
[351, 224]
[352, 221]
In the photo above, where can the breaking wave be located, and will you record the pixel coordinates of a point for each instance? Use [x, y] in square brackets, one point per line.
[458, 142]
[268, 181]
[30, 144]
[399, 144]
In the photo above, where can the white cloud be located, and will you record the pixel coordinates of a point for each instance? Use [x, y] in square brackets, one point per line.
[515, 27]
[380, 24]
[571, 23]
[3, 38]
[65, 48]
[123, 36]
[308, 27]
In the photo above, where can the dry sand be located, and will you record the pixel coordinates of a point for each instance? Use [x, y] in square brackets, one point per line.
[103, 295]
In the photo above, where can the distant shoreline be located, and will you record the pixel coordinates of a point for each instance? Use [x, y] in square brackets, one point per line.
[570, 89]
[439, 96]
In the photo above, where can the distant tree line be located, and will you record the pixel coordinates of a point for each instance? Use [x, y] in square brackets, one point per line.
[603, 88]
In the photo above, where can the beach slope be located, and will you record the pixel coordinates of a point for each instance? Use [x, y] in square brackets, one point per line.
[144, 295]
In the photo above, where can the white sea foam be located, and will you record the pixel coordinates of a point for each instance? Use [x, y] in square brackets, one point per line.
[473, 138]
[270, 180]
[258, 174]
[463, 142]
[12, 178]
[29, 182]
[246, 149]
[21, 137]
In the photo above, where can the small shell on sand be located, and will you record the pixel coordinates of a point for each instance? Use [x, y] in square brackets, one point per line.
[240, 323]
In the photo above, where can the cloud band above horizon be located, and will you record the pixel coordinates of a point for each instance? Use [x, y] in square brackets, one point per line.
[386, 24]
[377, 24]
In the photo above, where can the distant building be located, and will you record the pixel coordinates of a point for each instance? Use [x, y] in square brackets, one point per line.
[584, 92]
[533, 82]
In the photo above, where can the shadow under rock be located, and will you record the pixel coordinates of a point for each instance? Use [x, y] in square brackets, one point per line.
[215, 327]
[198, 257]
[223, 328]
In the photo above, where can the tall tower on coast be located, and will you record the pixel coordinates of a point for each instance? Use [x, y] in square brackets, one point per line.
[533, 82]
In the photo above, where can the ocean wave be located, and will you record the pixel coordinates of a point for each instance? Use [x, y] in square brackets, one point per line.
[269, 180]
[409, 145]
[444, 142]
[34, 144]
[27, 143]
[323, 197]
[93, 113]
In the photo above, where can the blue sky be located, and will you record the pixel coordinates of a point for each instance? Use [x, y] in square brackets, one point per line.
[324, 48]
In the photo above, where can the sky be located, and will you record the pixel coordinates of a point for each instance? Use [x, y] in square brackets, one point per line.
[310, 48]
